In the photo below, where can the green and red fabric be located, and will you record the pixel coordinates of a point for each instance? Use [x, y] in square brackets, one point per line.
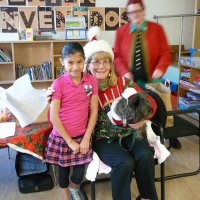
[31, 139]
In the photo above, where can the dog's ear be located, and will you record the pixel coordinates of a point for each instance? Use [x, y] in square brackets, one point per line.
[134, 100]
[140, 106]
[146, 106]
[121, 107]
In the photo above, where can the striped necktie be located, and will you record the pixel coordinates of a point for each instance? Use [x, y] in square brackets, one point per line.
[138, 67]
[138, 62]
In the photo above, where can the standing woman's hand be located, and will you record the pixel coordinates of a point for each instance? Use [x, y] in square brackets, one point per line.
[129, 75]
[49, 94]
[157, 74]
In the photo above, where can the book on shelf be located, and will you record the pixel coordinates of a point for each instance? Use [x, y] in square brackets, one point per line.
[41, 72]
[5, 56]
[184, 105]
[59, 71]
[26, 34]
[29, 34]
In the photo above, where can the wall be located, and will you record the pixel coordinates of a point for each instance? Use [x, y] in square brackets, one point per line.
[153, 7]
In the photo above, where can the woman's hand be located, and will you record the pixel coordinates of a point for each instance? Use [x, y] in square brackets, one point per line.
[49, 93]
[74, 146]
[129, 75]
[157, 74]
[84, 145]
[137, 125]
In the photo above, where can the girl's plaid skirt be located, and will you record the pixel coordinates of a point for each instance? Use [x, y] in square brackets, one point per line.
[58, 152]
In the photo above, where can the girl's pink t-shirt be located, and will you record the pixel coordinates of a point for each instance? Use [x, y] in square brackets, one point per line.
[75, 102]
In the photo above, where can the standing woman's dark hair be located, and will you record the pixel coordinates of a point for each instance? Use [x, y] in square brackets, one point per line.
[72, 48]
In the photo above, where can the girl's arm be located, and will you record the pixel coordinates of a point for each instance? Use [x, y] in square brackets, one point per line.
[57, 123]
[49, 94]
[84, 145]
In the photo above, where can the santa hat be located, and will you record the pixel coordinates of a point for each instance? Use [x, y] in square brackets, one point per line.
[112, 115]
[95, 45]
[135, 1]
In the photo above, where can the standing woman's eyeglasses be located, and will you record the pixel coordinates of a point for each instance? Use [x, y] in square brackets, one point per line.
[135, 12]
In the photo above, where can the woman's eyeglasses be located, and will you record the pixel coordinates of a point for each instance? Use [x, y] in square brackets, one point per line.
[98, 63]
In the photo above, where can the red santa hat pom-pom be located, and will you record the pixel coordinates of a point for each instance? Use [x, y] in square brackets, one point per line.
[135, 1]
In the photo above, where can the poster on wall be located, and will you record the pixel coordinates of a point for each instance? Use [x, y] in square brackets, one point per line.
[96, 17]
[111, 19]
[53, 2]
[70, 3]
[123, 16]
[46, 19]
[3, 3]
[9, 19]
[16, 2]
[81, 11]
[61, 14]
[28, 18]
[89, 3]
[36, 2]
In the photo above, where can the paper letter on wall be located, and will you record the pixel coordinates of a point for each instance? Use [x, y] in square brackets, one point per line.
[9, 19]
[28, 18]
[46, 19]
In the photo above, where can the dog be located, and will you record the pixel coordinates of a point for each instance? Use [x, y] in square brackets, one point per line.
[132, 107]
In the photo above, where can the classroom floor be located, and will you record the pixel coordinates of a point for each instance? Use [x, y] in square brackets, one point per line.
[183, 160]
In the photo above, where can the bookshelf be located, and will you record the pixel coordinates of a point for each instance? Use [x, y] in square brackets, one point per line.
[32, 53]
[189, 84]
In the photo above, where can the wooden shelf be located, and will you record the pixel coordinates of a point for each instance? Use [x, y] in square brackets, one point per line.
[41, 81]
[187, 86]
[6, 63]
[6, 82]
[32, 53]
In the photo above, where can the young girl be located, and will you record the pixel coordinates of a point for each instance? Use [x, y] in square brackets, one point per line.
[73, 113]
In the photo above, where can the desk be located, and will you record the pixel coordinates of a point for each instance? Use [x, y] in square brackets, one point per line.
[31, 139]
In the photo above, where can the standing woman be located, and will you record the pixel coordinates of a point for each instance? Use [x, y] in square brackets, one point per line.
[141, 49]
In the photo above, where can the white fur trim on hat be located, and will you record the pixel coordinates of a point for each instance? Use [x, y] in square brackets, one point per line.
[95, 45]
[128, 92]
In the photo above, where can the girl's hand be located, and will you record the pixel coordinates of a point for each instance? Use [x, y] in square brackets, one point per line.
[137, 125]
[49, 93]
[74, 146]
[84, 145]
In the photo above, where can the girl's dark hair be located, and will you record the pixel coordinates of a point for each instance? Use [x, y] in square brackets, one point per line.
[72, 48]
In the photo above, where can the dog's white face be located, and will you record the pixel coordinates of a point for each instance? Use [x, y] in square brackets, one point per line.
[137, 108]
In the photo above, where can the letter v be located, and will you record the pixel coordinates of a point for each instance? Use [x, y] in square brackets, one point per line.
[27, 23]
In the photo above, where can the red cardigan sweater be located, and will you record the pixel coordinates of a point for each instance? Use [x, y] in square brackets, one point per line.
[157, 50]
